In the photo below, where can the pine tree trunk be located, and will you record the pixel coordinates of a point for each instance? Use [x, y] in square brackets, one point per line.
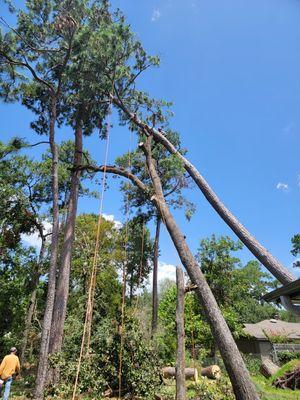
[259, 251]
[180, 361]
[62, 292]
[32, 301]
[131, 288]
[155, 277]
[237, 371]
[47, 322]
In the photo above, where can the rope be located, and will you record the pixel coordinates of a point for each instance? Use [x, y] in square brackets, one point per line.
[91, 292]
[192, 336]
[122, 332]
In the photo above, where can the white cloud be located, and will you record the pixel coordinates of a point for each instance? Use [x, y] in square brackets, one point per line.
[111, 218]
[34, 239]
[155, 15]
[282, 186]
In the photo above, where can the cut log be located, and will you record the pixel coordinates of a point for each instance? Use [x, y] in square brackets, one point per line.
[268, 368]
[190, 373]
[212, 372]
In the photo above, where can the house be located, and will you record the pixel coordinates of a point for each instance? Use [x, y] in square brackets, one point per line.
[259, 337]
[288, 295]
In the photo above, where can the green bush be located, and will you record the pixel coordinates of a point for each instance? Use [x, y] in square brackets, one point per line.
[214, 390]
[285, 356]
[252, 363]
[99, 370]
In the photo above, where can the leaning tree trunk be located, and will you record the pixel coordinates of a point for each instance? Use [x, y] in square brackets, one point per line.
[62, 292]
[180, 361]
[47, 322]
[259, 251]
[32, 301]
[237, 371]
[155, 277]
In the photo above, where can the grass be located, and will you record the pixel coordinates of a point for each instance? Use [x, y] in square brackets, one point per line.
[206, 389]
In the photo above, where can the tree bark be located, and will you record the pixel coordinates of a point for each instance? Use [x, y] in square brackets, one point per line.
[237, 371]
[47, 322]
[32, 301]
[241, 382]
[63, 280]
[260, 252]
[180, 361]
[189, 373]
[155, 277]
[212, 372]
[268, 368]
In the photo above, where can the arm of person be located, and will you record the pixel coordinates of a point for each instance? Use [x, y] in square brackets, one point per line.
[18, 367]
[2, 366]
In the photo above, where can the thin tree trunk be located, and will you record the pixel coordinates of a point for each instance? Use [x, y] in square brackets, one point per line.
[237, 371]
[47, 322]
[131, 288]
[155, 277]
[260, 252]
[32, 301]
[63, 281]
[180, 361]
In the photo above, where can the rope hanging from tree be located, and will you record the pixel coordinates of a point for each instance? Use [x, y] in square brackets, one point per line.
[93, 278]
[124, 275]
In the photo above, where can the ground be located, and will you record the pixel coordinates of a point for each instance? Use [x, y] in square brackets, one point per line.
[207, 389]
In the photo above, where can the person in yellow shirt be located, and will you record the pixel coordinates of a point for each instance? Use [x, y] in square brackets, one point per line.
[10, 366]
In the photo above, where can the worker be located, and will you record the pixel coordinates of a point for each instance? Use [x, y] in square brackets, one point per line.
[9, 367]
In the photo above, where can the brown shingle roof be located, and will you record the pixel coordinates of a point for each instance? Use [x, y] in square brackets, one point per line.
[273, 327]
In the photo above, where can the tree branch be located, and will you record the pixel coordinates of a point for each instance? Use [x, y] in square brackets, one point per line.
[29, 67]
[116, 171]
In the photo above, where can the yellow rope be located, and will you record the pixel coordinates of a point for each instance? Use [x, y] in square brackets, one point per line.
[122, 332]
[192, 336]
[90, 301]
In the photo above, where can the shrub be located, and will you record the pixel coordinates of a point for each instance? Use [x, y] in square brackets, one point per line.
[214, 390]
[285, 356]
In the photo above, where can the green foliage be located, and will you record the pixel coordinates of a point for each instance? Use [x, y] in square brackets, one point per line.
[214, 390]
[238, 290]
[253, 364]
[286, 355]
[288, 367]
[278, 337]
[16, 272]
[140, 367]
[296, 248]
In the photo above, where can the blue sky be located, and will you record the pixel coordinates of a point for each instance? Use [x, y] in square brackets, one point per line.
[232, 70]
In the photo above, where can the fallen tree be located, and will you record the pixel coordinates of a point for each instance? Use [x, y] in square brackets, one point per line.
[290, 380]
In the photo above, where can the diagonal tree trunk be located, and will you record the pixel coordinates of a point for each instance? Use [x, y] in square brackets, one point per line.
[237, 371]
[63, 280]
[260, 252]
[47, 322]
[241, 382]
[155, 277]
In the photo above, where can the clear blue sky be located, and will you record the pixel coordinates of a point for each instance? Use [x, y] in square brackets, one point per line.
[232, 70]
